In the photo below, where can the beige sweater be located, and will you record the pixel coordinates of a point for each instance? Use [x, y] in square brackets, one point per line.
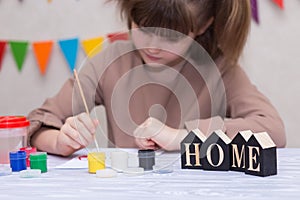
[187, 96]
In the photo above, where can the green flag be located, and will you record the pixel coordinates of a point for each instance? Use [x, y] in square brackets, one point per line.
[19, 51]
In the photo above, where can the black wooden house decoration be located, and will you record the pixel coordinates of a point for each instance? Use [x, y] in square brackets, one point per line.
[238, 151]
[261, 156]
[215, 152]
[190, 150]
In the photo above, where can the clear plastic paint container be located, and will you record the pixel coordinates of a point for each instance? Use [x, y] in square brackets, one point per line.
[13, 135]
[119, 160]
[17, 160]
[96, 161]
[38, 160]
[146, 159]
[28, 150]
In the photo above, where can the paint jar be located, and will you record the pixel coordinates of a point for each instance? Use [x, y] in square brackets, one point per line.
[38, 160]
[119, 160]
[96, 161]
[146, 159]
[28, 150]
[13, 135]
[17, 160]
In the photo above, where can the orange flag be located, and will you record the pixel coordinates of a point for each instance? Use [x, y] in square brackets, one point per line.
[279, 3]
[42, 51]
[92, 46]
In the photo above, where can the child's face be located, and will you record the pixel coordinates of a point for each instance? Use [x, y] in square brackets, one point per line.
[155, 49]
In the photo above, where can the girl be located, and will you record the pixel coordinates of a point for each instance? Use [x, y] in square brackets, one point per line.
[179, 71]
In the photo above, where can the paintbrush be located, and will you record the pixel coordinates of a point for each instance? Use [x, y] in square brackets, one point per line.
[84, 102]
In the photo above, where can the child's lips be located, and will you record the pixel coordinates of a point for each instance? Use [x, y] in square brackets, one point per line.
[153, 58]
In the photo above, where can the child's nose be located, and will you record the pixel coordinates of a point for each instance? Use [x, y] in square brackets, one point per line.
[154, 44]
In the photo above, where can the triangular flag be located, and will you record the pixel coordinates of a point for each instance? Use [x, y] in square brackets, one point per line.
[254, 10]
[92, 46]
[69, 48]
[19, 50]
[117, 36]
[279, 3]
[42, 51]
[2, 51]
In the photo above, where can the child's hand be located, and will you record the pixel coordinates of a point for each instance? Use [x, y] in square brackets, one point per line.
[145, 143]
[147, 130]
[153, 133]
[77, 132]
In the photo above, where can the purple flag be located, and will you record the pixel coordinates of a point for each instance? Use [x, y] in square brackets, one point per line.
[254, 9]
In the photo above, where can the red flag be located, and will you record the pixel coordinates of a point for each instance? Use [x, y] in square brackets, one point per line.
[279, 3]
[117, 36]
[2, 50]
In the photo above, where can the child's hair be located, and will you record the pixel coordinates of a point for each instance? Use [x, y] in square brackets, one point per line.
[226, 36]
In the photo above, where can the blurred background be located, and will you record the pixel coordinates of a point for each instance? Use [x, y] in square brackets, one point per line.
[271, 57]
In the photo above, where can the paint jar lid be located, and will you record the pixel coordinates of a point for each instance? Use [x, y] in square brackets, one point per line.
[17, 155]
[30, 173]
[28, 150]
[7, 122]
[163, 169]
[38, 156]
[134, 171]
[5, 170]
[148, 153]
[106, 173]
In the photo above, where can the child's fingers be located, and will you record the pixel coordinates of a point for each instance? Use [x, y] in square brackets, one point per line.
[145, 143]
[88, 122]
[74, 135]
[84, 125]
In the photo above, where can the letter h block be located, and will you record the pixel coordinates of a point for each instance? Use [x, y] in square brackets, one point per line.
[190, 150]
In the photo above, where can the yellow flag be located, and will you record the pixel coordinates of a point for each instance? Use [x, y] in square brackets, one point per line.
[92, 46]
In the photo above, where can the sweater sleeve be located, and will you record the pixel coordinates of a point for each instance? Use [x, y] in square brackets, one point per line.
[249, 109]
[246, 109]
[68, 102]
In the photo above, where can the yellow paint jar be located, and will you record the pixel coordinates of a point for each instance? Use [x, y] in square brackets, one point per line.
[96, 161]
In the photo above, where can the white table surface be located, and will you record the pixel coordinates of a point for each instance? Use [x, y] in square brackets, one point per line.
[181, 184]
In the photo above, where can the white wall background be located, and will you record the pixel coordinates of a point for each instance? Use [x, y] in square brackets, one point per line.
[271, 58]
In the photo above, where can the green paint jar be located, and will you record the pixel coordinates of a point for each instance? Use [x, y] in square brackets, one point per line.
[38, 160]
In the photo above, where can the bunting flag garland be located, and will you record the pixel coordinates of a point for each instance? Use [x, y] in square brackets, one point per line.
[69, 49]
[2, 51]
[92, 46]
[279, 3]
[254, 10]
[42, 51]
[19, 51]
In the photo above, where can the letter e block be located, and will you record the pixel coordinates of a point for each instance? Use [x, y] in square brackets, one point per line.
[261, 156]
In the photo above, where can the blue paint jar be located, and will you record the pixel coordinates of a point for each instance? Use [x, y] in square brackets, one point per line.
[17, 161]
